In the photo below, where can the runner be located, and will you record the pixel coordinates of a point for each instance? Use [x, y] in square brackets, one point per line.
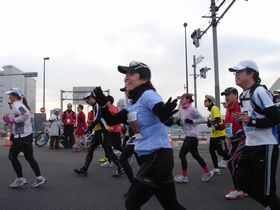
[114, 133]
[154, 150]
[101, 136]
[218, 133]
[256, 171]
[235, 135]
[189, 118]
[80, 130]
[23, 138]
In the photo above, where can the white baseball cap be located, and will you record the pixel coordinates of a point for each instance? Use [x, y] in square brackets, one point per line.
[244, 65]
[15, 90]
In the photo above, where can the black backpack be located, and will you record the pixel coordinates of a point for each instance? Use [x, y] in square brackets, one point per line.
[257, 108]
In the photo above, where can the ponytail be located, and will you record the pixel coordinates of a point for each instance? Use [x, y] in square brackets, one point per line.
[24, 101]
[150, 85]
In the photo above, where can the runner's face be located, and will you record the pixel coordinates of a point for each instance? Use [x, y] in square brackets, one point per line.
[12, 98]
[184, 101]
[206, 102]
[242, 78]
[90, 101]
[132, 80]
[230, 98]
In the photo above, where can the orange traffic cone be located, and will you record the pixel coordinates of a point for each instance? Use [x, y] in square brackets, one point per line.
[8, 142]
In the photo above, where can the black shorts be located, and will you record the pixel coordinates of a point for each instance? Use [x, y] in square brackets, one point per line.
[156, 168]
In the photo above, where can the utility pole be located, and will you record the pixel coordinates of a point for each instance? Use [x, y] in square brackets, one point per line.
[194, 81]
[215, 52]
[196, 60]
[196, 36]
[186, 54]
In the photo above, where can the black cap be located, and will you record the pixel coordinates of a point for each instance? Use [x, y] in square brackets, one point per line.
[137, 67]
[229, 90]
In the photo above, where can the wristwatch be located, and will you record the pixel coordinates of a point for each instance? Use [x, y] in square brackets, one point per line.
[253, 121]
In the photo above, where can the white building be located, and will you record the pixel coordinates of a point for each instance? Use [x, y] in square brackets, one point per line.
[14, 77]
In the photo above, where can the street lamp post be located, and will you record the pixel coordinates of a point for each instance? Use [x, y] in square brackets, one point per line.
[47, 58]
[196, 60]
[186, 54]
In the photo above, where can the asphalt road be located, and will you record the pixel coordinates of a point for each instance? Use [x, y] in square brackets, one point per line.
[99, 191]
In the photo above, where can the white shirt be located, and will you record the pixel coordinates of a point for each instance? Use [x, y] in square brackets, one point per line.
[22, 126]
[258, 136]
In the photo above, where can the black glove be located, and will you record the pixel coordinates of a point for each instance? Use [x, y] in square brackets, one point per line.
[88, 130]
[100, 98]
[208, 123]
[165, 111]
[169, 122]
[12, 137]
[188, 121]
[220, 127]
[178, 122]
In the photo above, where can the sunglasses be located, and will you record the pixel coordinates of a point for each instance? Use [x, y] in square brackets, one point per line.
[238, 72]
[139, 64]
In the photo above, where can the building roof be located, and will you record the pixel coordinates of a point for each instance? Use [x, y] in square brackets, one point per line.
[275, 85]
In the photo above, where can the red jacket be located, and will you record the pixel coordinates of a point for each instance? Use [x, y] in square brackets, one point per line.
[81, 124]
[231, 109]
[68, 117]
[90, 117]
[113, 110]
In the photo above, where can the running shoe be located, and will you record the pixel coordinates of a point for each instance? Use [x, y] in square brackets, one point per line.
[117, 152]
[181, 179]
[81, 171]
[118, 173]
[235, 195]
[216, 171]
[103, 159]
[206, 176]
[222, 164]
[18, 182]
[39, 181]
[76, 149]
[107, 164]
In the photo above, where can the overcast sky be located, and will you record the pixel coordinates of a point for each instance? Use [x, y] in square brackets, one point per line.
[87, 39]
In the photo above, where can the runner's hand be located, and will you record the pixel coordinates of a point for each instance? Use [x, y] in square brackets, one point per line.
[100, 97]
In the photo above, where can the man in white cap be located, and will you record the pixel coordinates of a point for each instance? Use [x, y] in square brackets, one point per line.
[257, 167]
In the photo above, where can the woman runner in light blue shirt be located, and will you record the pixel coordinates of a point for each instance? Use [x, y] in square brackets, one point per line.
[152, 143]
